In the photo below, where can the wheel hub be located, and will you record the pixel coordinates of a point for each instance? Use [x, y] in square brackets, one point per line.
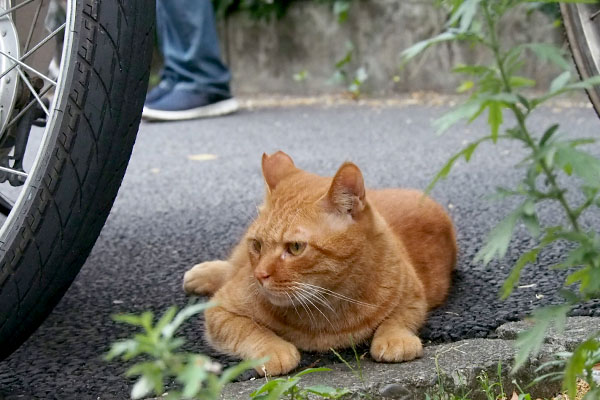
[9, 44]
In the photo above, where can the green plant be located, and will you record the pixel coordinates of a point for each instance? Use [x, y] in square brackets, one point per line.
[356, 370]
[343, 74]
[552, 157]
[439, 392]
[288, 388]
[196, 375]
[493, 390]
[489, 388]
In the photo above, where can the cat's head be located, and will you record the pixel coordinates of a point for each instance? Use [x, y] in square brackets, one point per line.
[310, 231]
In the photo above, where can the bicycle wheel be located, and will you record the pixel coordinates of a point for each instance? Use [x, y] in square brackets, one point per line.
[582, 24]
[62, 199]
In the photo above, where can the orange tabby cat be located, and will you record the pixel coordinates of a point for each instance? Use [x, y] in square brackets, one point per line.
[325, 263]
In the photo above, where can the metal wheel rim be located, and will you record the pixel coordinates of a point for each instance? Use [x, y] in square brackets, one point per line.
[582, 24]
[34, 177]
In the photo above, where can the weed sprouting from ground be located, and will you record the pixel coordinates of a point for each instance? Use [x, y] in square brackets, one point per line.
[553, 157]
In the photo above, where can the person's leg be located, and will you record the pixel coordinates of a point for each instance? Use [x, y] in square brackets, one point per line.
[190, 45]
[194, 81]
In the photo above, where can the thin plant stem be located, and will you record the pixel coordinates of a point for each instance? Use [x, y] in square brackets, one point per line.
[526, 136]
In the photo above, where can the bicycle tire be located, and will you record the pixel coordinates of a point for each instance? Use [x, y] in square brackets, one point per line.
[75, 184]
[584, 40]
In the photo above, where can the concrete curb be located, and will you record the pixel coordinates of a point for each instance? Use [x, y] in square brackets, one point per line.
[455, 365]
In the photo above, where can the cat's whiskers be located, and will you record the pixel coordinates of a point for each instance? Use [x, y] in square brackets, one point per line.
[337, 295]
[308, 312]
[292, 303]
[306, 300]
[323, 300]
[312, 293]
[255, 290]
[307, 295]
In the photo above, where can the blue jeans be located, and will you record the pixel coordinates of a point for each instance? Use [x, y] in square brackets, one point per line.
[189, 43]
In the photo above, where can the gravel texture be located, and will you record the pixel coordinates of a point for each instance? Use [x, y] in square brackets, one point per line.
[192, 187]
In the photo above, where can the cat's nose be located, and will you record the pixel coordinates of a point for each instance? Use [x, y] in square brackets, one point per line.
[262, 276]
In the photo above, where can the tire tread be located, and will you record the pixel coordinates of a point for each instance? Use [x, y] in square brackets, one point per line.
[86, 167]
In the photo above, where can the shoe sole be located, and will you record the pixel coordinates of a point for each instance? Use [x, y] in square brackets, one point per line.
[213, 110]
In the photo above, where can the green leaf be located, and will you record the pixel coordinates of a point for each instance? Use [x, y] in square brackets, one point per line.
[582, 164]
[524, 101]
[585, 84]
[233, 372]
[549, 52]
[464, 111]
[464, 15]
[347, 56]
[301, 76]
[508, 98]
[560, 81]
[532, 224]
[495, 119]
[311, 371]
[466, 152]
[576, 364]
[476, 70]
[141, 388]
[130, 319]
[121, 347]
[579, 275]
[499, 238]
[193, 375]
[419, 47]
[183, 315]
[530, 341]
[152, 371]
[520, 81]
[275, 388]
[548, 134]
[340, 10]
[465, 86]
[265, 388]
[165, 319]
[327, 391]
[511, 281]
[361, 75]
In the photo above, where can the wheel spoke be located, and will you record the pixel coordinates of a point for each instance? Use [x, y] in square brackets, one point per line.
[32, 90]
[13, 171]
[35, 19]
[6, 12]
[33, 49]
[27, 67]
[27, 107]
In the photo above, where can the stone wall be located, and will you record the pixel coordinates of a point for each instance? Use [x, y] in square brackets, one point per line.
[264, 55]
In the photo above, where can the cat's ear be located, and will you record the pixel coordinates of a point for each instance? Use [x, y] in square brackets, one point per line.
[347, 191]
[276, 167]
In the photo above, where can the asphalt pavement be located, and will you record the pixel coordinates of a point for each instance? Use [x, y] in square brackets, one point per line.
[192, 187]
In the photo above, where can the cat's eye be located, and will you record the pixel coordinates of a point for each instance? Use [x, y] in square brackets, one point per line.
[296, 248]
[255, 245]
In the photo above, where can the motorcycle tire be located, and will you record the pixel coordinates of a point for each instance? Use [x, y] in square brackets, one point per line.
[99, 98]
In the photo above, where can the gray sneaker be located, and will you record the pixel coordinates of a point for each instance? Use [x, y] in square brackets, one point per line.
[180, 104]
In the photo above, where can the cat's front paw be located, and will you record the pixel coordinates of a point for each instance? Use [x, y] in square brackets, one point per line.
[386, 348]
[206, 278]
[283, 358]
